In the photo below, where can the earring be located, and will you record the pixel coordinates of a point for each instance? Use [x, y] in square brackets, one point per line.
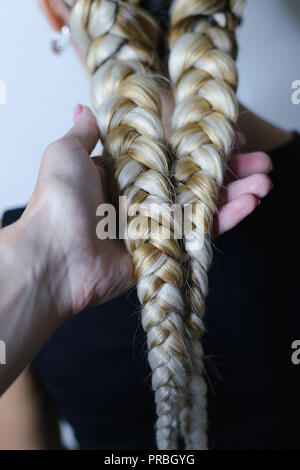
[61, 40]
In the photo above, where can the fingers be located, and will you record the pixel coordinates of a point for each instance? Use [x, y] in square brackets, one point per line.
[241, 196]
[85, 129]
[234, 212]
[258, 184]
[243, 165]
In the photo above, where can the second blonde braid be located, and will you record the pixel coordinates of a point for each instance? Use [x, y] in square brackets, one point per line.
[204, 78]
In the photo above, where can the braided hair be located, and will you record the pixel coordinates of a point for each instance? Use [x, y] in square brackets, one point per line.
[127, 45]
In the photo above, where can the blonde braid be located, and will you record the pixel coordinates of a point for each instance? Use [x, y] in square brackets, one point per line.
[204, 77]
[120, 39]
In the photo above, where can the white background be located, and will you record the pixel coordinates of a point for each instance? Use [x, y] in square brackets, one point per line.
[42, 89]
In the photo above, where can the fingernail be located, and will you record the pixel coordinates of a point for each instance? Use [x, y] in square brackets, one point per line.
[78, 110]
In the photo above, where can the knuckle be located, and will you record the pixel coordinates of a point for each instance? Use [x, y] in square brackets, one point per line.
[60, 145]
[54, 147]
[50, 150]
[68, 139]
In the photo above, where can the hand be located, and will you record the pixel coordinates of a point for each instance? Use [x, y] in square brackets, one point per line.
[83, 270]
[248, 183]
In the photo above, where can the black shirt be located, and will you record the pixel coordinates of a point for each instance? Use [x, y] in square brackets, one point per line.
[95, 367]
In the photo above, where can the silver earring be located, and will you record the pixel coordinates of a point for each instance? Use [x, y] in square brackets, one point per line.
[61, 40]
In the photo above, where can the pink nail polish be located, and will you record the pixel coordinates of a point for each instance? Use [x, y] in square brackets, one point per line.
[78, 110]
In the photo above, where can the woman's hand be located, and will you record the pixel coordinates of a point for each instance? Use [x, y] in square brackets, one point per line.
[248, 183]
[83, 270]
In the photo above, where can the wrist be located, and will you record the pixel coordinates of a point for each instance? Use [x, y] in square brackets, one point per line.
[26, 252]
[28, 311]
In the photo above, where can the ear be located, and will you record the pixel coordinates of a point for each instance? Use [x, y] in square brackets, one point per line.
[56, 12]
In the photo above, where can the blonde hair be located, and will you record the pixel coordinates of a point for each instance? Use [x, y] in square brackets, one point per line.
[204, 78]
[120, 40]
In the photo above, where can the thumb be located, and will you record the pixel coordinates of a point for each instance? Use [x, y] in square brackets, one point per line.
[85, 128]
